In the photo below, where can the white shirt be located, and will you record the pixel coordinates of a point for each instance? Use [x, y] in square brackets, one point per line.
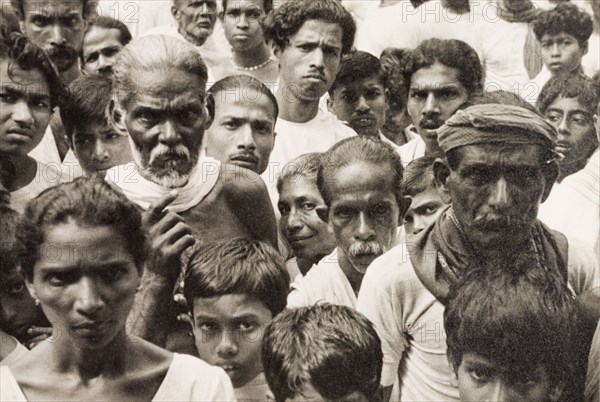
[46, 176]
[323, 283]
[412, 150]
[410, 321]
[47, 151]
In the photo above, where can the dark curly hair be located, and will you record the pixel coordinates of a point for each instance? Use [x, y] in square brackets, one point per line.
[564, 18]
[90, 8]
[393, 63]
[285, 21]
[576, 86]
[89, 201]
[28, 56]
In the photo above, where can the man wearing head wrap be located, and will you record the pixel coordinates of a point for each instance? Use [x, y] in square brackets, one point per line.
[500, 165]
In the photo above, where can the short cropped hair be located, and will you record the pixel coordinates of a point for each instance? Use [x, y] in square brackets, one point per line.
[89, 96]
[88, 201]
[23, 53]
[111, 23]
[359, 149]
[356, 66]
[267, 5]
[334, 348]
[418, 176]
[282, 23]
[238, 85]
[305, 165]
[517, 317]
[564, 18]
[576, 86]
[451, 53]
[167, 53]
[237, 266]
[90, 8]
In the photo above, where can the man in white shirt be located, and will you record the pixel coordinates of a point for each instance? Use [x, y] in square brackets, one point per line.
[360, 183]
[309, 39]
[500, 165]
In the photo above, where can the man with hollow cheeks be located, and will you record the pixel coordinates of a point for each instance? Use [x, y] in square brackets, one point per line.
[159, 101]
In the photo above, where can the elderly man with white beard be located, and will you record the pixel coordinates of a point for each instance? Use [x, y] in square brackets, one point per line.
[160, 102]
[360, 183]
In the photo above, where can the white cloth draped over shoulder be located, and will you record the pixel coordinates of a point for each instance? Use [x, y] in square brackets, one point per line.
[144, 193]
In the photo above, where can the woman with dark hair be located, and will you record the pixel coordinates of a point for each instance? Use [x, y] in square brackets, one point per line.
[81, 246]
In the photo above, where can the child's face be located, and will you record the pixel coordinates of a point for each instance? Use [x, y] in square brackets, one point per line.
[425, 208]
[18, 311]
[228, 331]
[308, 393]
[99, 148]
[480, 379]
[561, 53]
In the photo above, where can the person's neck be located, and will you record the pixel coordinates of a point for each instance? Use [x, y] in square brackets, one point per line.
[252, 57]
[66, 77]
[189, 38]
[293, 109]
[354, 277]
[90, 363]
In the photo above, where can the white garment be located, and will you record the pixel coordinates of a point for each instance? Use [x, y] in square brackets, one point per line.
[46, 176]
[323, 283]
[18, 352]
[188, 379]
[70, 167]
[255, 391]
[46, 151]
[591, 60]
[536, 85]
[410, 321]
[573, 207]
[295, 139]
[144, 193]
[412, 150]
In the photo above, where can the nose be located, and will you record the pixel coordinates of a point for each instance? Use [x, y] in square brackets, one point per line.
[362, 105]
[104, 63]
[431, 105]
[499, 392]
[169, 134]
[242, 22]
[246, 138]
[228, 345]
[56, 36]
[100, 151]
[418, 224]
[555, 50]
[364, 229]
[499, 196]
[563, 128]
[205, 8]
[89, 300]
[294, 222]
[317, 58]
[22, 114]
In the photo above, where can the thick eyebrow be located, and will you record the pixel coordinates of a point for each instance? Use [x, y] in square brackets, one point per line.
[424, 206]
[32, 95]
[434, 87]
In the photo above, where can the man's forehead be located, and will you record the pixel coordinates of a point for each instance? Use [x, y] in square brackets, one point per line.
[557, 36]
[499, 155]
[361, 84]
[164, 100]
[53, 7]
[319, 30]
[30, 82]
[563, 104]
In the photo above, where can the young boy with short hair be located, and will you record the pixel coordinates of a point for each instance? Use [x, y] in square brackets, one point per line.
[426, 203]
[233, 289]
[322, 352]
[509, 335]
[563, 34]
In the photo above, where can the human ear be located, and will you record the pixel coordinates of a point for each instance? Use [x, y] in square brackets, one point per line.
[175, 12]
[441, 172]
[116, 117]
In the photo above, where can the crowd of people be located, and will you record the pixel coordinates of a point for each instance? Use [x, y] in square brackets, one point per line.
[307, 200]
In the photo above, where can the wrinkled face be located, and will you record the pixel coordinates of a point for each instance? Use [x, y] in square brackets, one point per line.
[311, 60]
[561, 53]
[57, 27]
[25, 112]
[361, 104]
[424, 209]
[496, 191]
[242, 132]
[228, 331]
[363, 211]
[576, 132]
[18, 311]
[100, 49]
[435, 94]
[99, 147]
[242, 24]
[166, 120]
[85, 281]
[480, 379]
[309, 236]
[309, 393]
[196, 19]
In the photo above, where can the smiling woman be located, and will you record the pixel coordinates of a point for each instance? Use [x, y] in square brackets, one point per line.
[81, 248]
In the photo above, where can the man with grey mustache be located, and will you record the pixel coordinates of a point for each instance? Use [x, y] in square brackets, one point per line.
[360, 184]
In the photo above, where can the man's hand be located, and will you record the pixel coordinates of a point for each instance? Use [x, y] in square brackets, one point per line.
[169, 237]
[37, 334]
